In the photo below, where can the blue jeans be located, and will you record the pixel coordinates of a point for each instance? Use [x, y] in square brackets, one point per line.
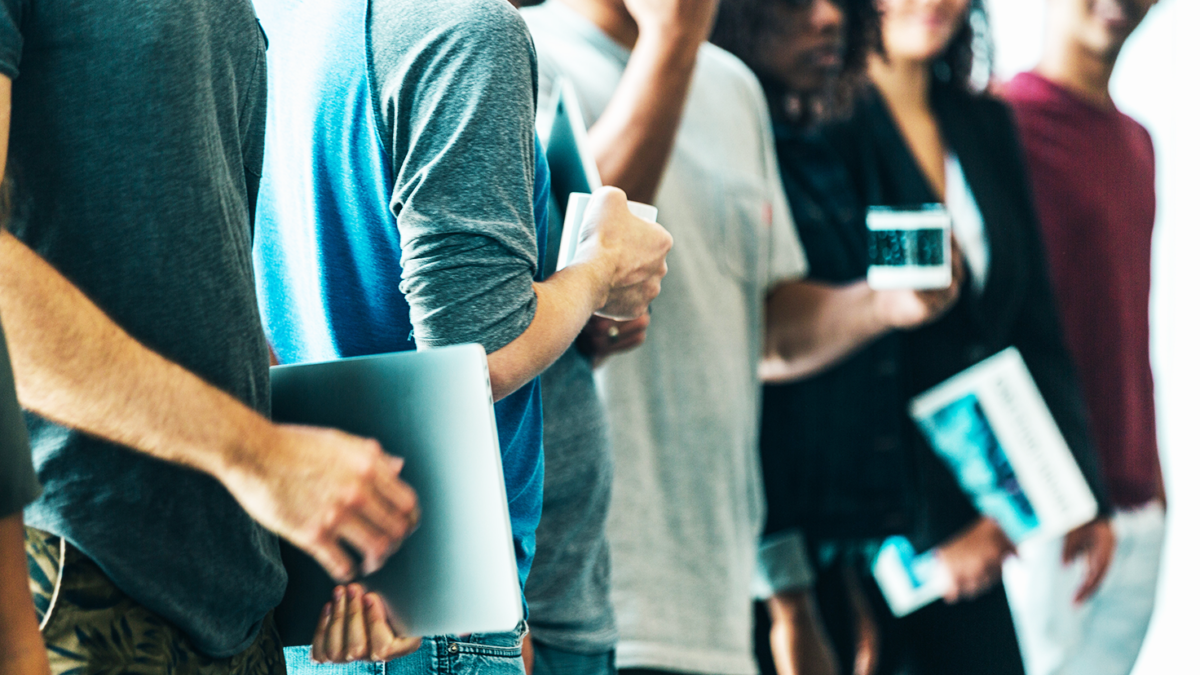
[549, 660]
[479, 654]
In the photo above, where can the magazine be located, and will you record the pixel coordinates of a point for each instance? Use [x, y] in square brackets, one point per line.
[991, 427]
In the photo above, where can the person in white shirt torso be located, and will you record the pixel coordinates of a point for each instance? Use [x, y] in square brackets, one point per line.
[682, 124]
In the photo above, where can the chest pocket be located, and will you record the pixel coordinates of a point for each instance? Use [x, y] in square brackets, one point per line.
[743, 219]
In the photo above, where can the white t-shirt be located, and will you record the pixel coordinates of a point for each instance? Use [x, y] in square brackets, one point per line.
[688, 506]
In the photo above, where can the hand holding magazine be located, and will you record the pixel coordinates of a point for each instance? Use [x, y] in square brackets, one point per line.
[991, 427]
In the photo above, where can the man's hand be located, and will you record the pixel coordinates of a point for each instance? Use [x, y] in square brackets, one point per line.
[1096, 542]
[975, 559]
[631, 251]
[354, 626]
[602, 338]
[905, 309]
[321, 489]
[688, 22]
[799, 642]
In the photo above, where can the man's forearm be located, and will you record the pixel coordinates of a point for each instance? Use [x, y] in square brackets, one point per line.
[633, 139]
[800, 644]
[75, 366]
[811, 326]
[565, 303]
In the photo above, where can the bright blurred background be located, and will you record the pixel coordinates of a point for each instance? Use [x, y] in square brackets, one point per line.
[1158, 83]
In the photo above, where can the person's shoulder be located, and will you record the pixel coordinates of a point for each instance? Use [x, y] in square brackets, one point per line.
[715, 63]
[542, 19]
[487, 23]
[568, 41]
[720, 71]
[1138, 129]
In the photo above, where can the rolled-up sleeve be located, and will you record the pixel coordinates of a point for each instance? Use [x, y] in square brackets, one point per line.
[461, 117]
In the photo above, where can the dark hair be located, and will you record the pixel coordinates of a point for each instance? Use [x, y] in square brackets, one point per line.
[969, 59]
[741, 25]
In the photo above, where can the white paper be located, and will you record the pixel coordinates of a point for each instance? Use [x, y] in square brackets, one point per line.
[573, 224]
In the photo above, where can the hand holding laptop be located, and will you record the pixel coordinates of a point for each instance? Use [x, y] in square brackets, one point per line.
[321, 489]
[354, 626]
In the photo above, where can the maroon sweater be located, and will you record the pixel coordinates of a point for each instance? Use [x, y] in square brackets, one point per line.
[1092, 171]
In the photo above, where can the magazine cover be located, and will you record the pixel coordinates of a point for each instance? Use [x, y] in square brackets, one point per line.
[991, 426]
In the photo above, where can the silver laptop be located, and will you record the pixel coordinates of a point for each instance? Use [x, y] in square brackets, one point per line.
[457, 573]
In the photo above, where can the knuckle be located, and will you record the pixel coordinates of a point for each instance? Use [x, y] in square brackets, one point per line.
[378, 550]
[356, 498]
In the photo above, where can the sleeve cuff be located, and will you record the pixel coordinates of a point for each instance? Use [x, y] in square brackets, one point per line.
[783, 564]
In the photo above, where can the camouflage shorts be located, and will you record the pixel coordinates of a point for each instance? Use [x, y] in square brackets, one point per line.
[95, 628]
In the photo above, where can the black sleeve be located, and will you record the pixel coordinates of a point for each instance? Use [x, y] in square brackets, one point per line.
[18, 484]
[1037, 331]
[12, 43]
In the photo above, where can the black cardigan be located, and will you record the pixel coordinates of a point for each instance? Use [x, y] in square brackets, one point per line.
[841, 457]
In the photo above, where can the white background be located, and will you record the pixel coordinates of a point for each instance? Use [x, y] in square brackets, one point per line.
[1158, 83]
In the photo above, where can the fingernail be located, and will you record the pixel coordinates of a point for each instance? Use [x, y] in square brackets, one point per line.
[327, 610]
[339, 592]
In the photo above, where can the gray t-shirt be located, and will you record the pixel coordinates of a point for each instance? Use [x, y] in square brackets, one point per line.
[18, 484]
[687, 504]
[457, 216]
[568, 588]
[137, 132]
[404, 146]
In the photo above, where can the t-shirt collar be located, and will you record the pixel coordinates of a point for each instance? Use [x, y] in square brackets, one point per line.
[589, 32]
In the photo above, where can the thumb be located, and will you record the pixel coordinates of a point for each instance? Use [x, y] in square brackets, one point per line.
[1074, 545]
[396, 464]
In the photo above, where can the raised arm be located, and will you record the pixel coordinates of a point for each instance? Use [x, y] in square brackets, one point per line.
[634, 136]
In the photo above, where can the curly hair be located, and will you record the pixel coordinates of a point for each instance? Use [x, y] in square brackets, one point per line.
[969, 59]
[742, 24]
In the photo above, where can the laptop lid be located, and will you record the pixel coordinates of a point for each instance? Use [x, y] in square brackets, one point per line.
[457, 573]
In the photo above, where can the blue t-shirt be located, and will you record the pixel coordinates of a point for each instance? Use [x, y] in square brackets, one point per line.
[399, 194]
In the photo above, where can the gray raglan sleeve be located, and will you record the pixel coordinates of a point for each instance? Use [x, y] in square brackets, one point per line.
[18, 484]
[458, 114]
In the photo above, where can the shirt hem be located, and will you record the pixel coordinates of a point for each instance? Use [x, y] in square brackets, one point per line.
[576, 640]
[658, 656]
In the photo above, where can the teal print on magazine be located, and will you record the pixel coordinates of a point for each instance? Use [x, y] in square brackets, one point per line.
[969, 444]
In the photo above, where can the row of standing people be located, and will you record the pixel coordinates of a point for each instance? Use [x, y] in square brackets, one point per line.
[843, 466]
[683, 124]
